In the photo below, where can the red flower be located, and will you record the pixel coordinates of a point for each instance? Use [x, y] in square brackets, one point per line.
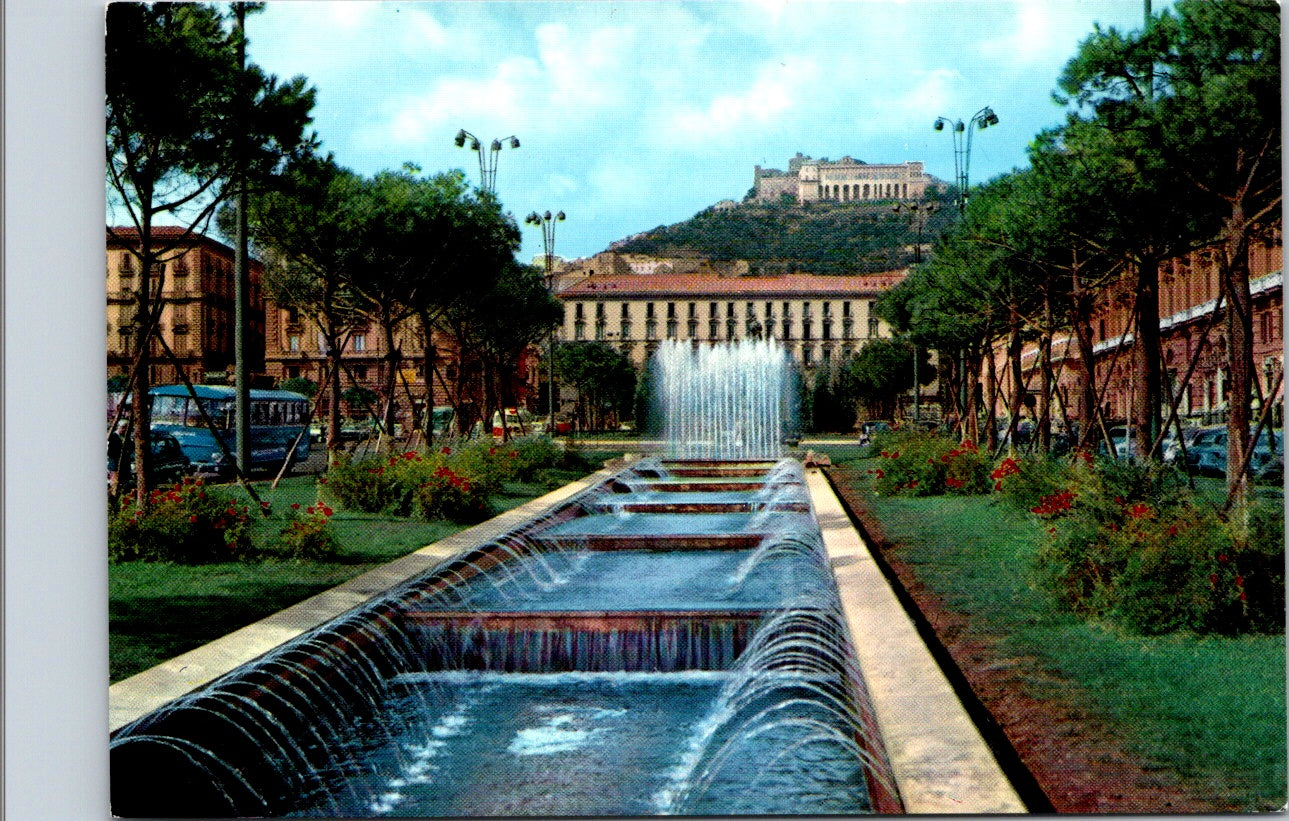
[1141, 510]
[913, 483]
[326, 511]
[1239, 581]
[323, 480]
[881, 474]
[309, 510]
[409, 455]
[446, 451]
[295, 505]
[492, 451]
[193, 518]
[998, 485]
[1221, 558]
[1172, 530]
[1212, 579]
[1243, 596]
[1118, 500]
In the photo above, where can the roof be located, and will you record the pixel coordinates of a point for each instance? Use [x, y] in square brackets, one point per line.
[685, 285]
[225, 392]
[128, 235]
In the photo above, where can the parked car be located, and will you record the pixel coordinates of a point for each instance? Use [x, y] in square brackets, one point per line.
[1170, 447]
[169, 464]
[1207, 454]
[518, 421]
[1121, 441]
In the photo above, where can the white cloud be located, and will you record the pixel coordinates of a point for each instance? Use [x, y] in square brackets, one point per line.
[774, 93]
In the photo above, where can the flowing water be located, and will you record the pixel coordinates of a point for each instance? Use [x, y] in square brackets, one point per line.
[668, 643]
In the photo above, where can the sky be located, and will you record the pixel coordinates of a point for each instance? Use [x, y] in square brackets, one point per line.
[636, 114]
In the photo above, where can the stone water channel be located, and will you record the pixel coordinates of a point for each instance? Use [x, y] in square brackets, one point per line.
[704, 635]
[669, 642]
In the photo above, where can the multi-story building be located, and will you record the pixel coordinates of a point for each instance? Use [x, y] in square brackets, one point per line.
[196, 281]
[844, 180]
[1188, 296]
[296, 349]
[818, 319]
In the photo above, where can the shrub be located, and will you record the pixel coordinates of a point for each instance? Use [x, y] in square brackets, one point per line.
[922, 464]
[446, 494]
[1129, 543]
[532, 454]
[187, 523]
[371, 485]
[308, 535]
[1025, 482]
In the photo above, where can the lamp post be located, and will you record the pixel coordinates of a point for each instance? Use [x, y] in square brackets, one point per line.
[547, 222]
[487, 157]
[981, 120]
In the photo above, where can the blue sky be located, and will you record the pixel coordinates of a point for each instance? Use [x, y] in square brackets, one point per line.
[636, 114]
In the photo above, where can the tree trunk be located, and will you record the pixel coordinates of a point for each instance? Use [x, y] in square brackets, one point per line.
[334, 355]
[141, 419]
[1148, 370]
[1239, 334]
[1014, 351]
[392, 358]
[1081, 323]
[971, 422]
[991, 390]
[1047, 377]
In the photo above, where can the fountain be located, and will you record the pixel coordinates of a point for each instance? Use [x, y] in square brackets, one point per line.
[669, 642]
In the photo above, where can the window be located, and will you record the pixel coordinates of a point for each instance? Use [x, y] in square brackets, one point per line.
[751, 310]
[599, 311]
[806, 330]
[729, 309]
[827, 309]
[827, 329]
[360, 373]
[672, 326]
[626, 328]
[293, 316]
[693, 328]
[787, 328]
[845, 309]
[711, 310]
[713, 329]
[873, 326]
[648, 310]
[624, 310]
[693, 307]
[293, 371]
[577, 311]
[671, 310]
[126, 266]
[293, 342]
[359, 343]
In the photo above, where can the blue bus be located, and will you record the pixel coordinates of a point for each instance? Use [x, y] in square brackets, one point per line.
[277, 417]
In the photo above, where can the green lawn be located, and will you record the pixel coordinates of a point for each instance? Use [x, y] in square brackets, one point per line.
[158, 610]
[1211, 709]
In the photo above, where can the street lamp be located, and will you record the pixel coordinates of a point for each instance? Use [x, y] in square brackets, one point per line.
[547, 222]
[981, 120]
[487, 157]
[919, 213]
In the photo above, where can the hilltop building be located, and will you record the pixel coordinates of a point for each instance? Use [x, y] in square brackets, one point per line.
[845, 180]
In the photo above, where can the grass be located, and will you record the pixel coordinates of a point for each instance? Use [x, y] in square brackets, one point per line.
[157, 611]
[1209, 708]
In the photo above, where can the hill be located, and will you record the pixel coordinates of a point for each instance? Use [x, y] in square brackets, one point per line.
[820, 238]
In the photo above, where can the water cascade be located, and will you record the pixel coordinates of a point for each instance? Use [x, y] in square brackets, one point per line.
[667, 642]
[729, 402]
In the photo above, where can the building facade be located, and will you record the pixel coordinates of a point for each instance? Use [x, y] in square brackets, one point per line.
[450, 377]
[845, 180]
[1188, 297]
[818, 319]
[193, 281]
